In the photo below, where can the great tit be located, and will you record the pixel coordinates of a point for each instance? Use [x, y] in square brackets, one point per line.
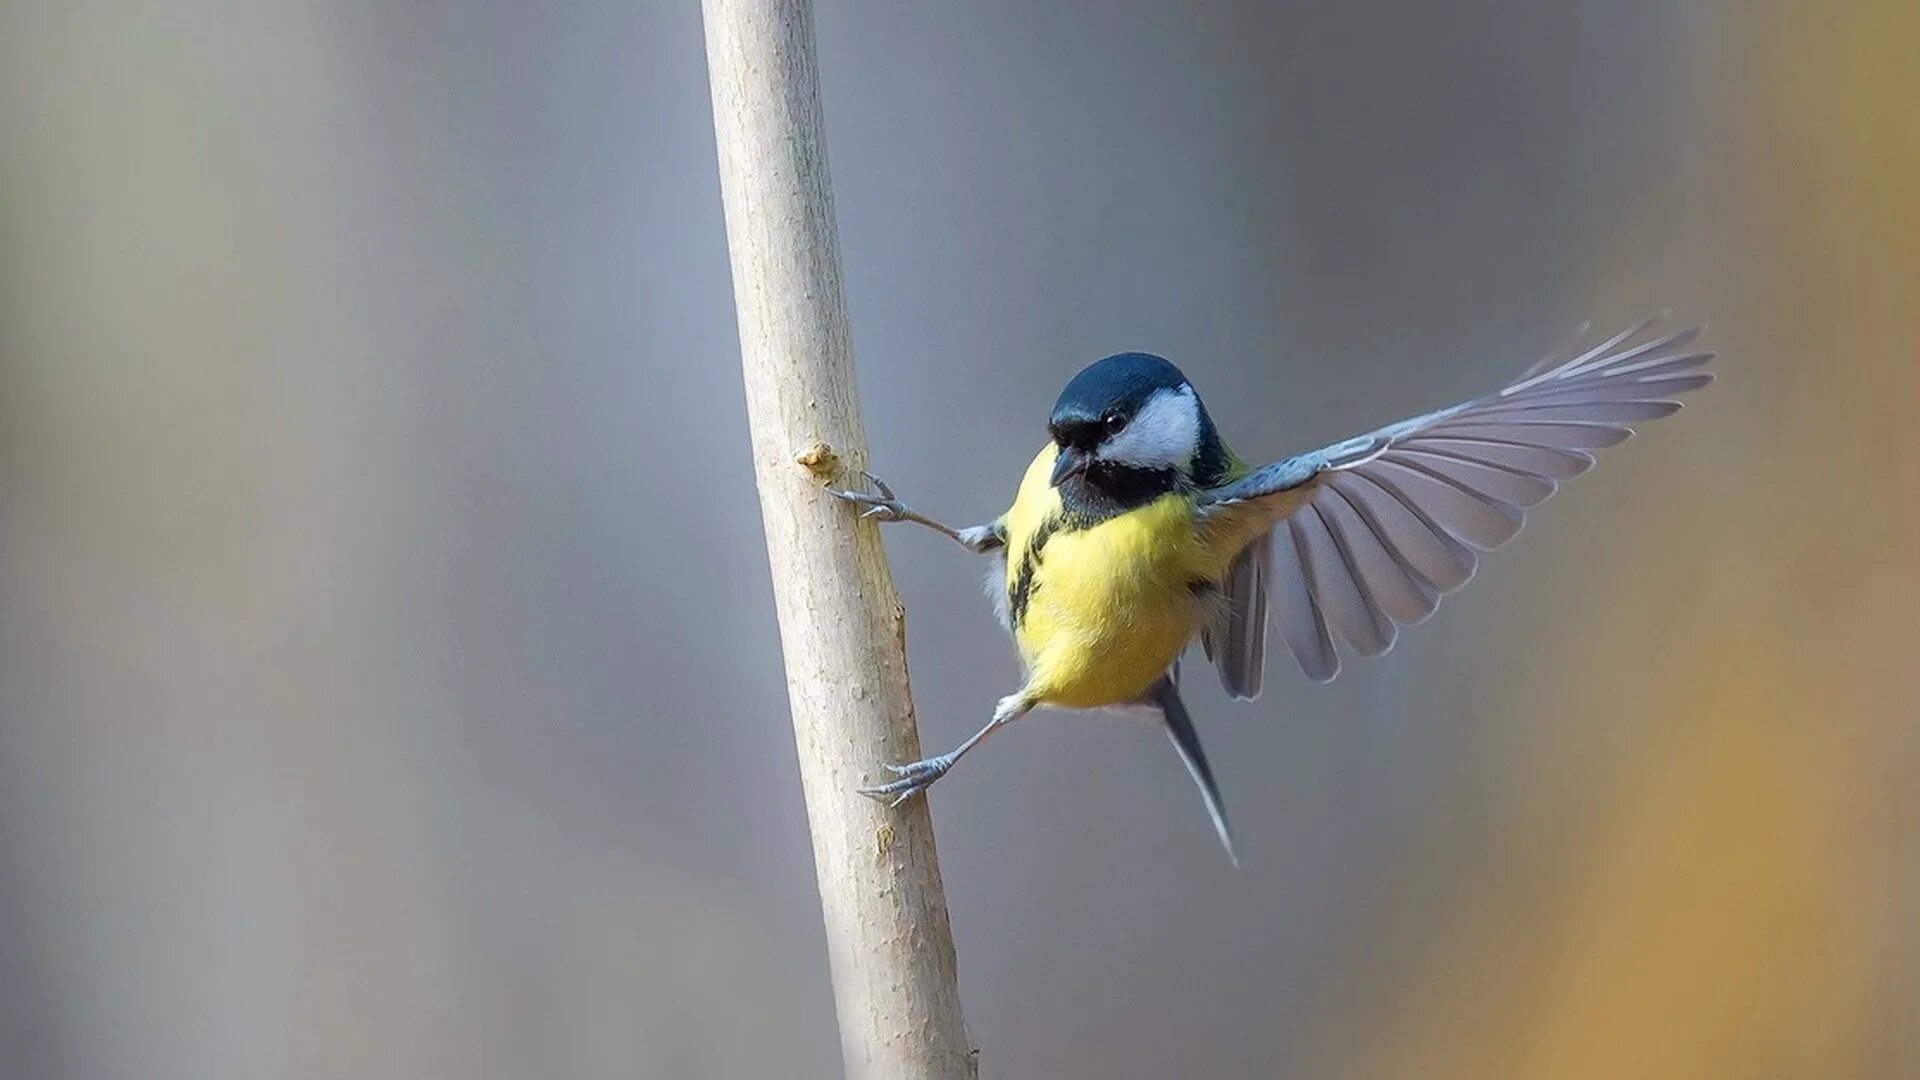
[1136, 531]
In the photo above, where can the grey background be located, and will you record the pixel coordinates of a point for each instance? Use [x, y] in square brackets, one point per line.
[388, 678]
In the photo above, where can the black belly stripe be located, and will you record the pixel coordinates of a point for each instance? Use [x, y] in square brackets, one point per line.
[1021, 591]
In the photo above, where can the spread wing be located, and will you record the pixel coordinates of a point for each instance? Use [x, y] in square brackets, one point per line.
[1363, 537]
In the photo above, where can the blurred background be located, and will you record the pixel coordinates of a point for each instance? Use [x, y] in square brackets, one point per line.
[389, 685]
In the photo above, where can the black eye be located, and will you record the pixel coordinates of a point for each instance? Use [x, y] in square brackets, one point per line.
[1114, 421]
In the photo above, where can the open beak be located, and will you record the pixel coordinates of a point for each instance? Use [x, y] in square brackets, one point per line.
[1070, 462]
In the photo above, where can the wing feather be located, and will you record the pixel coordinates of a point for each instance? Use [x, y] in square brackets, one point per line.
[1509, 486]
[1665, 365]
[1402, 594]
[1469, 516]
[1422, 546]
[1546, 462]
[1301, 626]
[1564, 436]
[1606, 411]
[1344, 603]
[1376, 528]
[1642, 391]
[1237, 639]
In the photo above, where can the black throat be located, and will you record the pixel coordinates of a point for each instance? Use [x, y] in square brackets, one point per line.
[1106, 490]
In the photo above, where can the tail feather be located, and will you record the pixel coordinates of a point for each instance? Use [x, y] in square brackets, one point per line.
[1173, 711]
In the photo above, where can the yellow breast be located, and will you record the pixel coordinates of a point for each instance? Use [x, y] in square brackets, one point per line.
[1099, 612]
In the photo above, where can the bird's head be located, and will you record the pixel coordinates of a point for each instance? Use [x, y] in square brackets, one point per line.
[1131, 427]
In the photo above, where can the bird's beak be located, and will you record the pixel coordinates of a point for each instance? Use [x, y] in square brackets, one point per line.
[1070, 462]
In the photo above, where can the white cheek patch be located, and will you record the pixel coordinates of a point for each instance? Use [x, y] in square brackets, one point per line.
[1164, 434]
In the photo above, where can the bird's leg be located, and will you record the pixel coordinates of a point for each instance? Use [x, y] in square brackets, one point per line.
[920, 775]
[884, 507]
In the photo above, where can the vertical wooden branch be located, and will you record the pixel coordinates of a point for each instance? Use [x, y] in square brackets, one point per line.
[841, 624]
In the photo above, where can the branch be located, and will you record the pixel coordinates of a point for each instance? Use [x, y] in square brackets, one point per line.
[841, 624]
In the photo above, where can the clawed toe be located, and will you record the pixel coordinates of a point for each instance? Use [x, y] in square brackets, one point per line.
[883, 505]
[915, 778]
[879, 485]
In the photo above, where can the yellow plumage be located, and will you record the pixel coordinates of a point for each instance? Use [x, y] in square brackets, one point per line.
[1105, 608]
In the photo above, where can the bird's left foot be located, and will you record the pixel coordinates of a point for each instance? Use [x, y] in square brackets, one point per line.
[914, 779]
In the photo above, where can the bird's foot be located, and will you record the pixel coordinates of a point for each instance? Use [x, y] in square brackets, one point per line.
[882, 506]
[914, 779]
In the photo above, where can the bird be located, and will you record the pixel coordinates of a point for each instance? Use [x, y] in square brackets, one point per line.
[1136, 531]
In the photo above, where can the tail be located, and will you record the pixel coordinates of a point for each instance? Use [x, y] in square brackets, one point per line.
[1165, 696]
